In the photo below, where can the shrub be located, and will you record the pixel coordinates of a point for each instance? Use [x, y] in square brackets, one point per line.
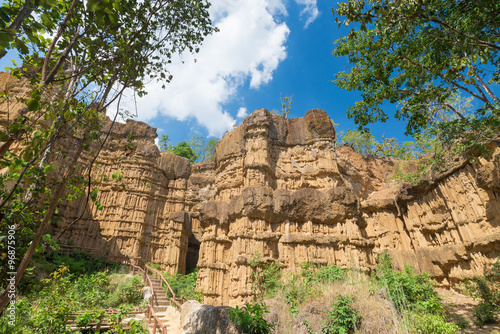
[427, 323]
[266, 276]
[330, 273]
[184, 285]
[487, 288]
[250, 318]
[127, 291]
[342, 318]
[295, 294]
[91, 290]
[407, 289]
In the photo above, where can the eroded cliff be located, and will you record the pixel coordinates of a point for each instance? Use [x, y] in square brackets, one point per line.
[281, 189]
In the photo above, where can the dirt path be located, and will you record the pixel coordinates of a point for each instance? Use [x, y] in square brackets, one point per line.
[463, 306]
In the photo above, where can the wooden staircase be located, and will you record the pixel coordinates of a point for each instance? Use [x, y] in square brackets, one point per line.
[162, 315]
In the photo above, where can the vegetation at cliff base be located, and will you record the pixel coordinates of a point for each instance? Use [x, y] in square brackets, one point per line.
[77, 289]
[328, 299]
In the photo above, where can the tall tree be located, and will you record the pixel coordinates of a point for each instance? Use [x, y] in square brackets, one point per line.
[96, 50]
[420, 54]
[203, 149]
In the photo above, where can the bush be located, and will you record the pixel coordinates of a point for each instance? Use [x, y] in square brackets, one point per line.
[250, 318]
[487, 288]
[427, 323]
[342, 318]
[484, 313]
[91, 290]
[325, 274]
[184, 285]
[127, 291]
[407, 289]
[330, 273]
[266, 276]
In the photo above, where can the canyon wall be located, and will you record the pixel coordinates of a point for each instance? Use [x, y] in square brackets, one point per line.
[280, 190]
[277, 190]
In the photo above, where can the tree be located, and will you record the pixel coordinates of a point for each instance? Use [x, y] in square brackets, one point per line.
[286, 106]
[419, 54]
[194, 149]
[203, 151]
[164, 144]
[96, 50]
[183, 149]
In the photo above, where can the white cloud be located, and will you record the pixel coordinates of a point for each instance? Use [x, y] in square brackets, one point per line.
[310, 10]
[242, 112]
[250, 45]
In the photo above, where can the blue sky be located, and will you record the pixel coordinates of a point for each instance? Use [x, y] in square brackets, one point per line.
[265, 49]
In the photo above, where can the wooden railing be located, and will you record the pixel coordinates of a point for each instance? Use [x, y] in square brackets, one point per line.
[100, 323]
[133, 268]
[150, 312]
[173, 300]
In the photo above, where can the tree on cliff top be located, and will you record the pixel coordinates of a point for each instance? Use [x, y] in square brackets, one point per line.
[420, 54]
[196, 149]
[95, 50]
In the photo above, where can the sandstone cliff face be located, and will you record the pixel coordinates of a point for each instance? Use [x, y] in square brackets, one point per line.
[280, 189]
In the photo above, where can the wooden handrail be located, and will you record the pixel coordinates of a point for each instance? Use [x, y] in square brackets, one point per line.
[157, 273]
[157, 322]
[150, 312]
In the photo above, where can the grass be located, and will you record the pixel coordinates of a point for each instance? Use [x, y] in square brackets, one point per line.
[331, 300]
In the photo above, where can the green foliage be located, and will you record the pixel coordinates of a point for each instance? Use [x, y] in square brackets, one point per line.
[428, 323]
[487, 288]
[62, 293]
[414, 297]
[183, 149]
[407, 289]
[266, 277]
[365, 143]
[307, 285]
[78, 262]
[250, 318]
[421, 55]
[196, 149]
[286, 107]
[296, 292]
[127, 291]
[184, 285]
[342, 318]
[203, 151]
[164, 144]
[312, 274]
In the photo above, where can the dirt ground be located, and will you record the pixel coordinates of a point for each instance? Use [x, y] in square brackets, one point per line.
[461, 305]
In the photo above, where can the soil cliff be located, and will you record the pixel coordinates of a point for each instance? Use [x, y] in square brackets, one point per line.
[281, 189]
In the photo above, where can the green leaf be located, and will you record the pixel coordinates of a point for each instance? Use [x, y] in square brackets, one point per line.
[32, 104]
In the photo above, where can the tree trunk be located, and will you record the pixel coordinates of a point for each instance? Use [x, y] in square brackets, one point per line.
[4, 299]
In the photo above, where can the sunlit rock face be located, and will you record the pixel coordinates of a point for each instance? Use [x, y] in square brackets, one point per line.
[277, 188]
[282, 189]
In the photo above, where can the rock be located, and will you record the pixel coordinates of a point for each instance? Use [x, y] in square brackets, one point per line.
[146, 293]
[281, 189]
[197, 318]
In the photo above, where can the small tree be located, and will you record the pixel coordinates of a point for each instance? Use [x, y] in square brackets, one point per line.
[183, 149]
